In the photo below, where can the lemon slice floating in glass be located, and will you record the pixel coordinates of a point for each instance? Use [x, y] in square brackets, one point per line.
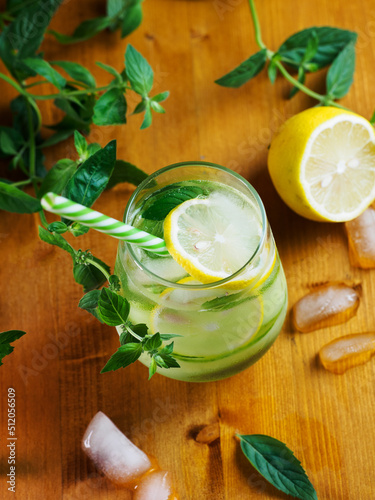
[206, 333]
[214, 237]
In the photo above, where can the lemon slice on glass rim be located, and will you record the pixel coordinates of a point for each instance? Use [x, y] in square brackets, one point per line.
[214, 237]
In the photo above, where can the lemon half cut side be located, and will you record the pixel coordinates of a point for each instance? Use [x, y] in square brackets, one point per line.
[322, 163]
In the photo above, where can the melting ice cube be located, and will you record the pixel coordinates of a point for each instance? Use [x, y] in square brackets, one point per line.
[326, 305]
[361, 237]
[348, 351]
[155, 486]
[112, 452]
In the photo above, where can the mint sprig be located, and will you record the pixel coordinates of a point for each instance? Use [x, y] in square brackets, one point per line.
[278, 465]
[111, 308]
[169, 198]
[305, 52]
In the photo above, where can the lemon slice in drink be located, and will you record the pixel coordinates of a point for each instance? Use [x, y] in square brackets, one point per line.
[206, 333]
[214, 237]
[322, 163]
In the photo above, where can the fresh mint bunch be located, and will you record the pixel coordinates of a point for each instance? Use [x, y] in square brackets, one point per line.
[77, 95]
[123, 15]
[304, 52]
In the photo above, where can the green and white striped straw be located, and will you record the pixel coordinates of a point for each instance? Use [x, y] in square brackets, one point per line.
[75, 211]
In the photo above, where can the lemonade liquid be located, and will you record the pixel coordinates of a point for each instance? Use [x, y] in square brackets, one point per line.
[224, 326]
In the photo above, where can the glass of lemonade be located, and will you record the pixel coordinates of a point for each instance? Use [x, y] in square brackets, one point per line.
[224, 292]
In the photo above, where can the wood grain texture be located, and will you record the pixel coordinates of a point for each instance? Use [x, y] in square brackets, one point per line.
[327, 420]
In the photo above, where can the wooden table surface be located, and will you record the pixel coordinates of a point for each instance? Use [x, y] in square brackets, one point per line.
[327, 420]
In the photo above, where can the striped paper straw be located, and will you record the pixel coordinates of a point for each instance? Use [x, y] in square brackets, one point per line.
[86, 216]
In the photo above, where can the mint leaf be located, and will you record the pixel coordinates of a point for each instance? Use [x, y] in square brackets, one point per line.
[91, 178]
[57, 240]
[131, 20]
[164, 359]
[153, 342]
[111, 70]
[169, 199]
[301, 79]
[311, 47]
[340, 74]
[89, 276]
[126, 172]
[152, 368]
[81, 145]
[58, 177]
[57, 137]
[6, 338]
[110, 108]
[225, 302]
[277, 463]
[14, 200]
[331, 42]
[372, 119]
[113, 308]
[141, 330]
[245, 71]
[22, 38]
[139, 71]
[43, 68]
[78, 229]
[161, 97]
[7, 145]
[87, 29]
[76, 72]
[147, 120]
[57, 227]
[10, 141]
[169, 336]
[125, 355]
[89, 303]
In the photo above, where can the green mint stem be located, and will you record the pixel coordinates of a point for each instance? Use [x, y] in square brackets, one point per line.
[323, 99]
[13, 83]
[258, 32]
[128, 329]
[298, 84]
[22, 183]
[77, 92]
[43, 219]
[32, 146]
[97, 265]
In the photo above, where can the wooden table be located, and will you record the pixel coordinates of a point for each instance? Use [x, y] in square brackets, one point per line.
[327, 420]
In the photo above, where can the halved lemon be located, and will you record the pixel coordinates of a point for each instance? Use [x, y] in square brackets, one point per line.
[322, 163]
[214, 237]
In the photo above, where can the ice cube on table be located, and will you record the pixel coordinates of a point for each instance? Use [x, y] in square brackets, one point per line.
[347, 352]
[155, 486]
[361, 239]
[112, 452]
[327, 305]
